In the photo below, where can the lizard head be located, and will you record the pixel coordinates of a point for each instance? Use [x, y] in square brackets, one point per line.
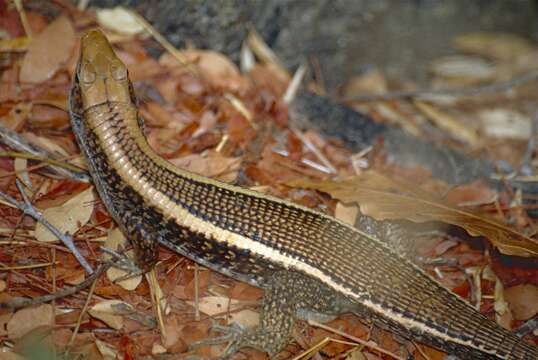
[101, 76]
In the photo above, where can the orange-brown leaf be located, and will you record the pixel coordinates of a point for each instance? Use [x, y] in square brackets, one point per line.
[384, 198]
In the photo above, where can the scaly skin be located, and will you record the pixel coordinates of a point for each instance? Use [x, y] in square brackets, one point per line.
[252, 236]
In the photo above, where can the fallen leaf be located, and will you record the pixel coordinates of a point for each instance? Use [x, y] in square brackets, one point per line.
[108, 352]
[523, 300]
[105, 312]
[48, 51]
[505, 124]
[246, 318]
[119, 19]
[17, 116]
[384, 198]
[26, 320]
[158, 349]
[69, 217]
[347, 213]
[115, 241]
[494, 45]
[213, 305]
[217, 68]
[465, 68]
[216, 166]
[372, 82]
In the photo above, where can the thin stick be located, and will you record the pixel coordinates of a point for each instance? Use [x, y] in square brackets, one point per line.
[27, 208]
[82, 313]
[45, 160]
[314, 149]
[196, 293]
[22, 302]
[20, 144]
[162, 40]
[154, 289]
[24, 19]
[356, 339]
[461, 91]
[5, 267]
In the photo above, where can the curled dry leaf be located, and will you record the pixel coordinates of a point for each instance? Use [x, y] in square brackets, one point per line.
[384, 198]
[372, 82]
[217, 68]
[346, 212]
[505, 124]
[106, 350]
[497, 46]
[246, 318]
[120, 20]
[26, 320]
[69, 217]
[105, 312]
[116, 240]
[466, 69]
[216, 165]
[523, 300]
[218, 305]
[48, 51]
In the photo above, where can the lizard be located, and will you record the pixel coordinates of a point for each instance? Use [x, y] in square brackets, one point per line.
[303, 259]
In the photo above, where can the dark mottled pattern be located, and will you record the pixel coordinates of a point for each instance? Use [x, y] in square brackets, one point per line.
[370, 270]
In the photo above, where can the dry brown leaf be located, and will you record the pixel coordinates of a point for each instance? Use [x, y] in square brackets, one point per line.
[114, 241]
[246, 318]
[26, 320]
[498, 46]
[216, 166]
[17, 116]
[346, 212]
[69, 217]
[119, 19]
[523, 300]
[108, 352]
[105, 312]
[213, 305]
[372, 82]
[384, 198]
[466, 69]
[505, 124]
[48, 51]
[217, 68]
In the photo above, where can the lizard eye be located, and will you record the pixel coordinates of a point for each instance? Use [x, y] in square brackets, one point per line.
[119, 72]
[87, 74]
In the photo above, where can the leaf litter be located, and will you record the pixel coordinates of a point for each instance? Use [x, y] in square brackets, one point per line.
[214, 120]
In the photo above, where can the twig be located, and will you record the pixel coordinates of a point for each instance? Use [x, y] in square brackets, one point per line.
[22, 302]
[5, 267]
[294, 84]
[196, 293]
[79, 320]
[162, 40]
[18, 143]
[460, 91]
[24, 19]
[27, 208]
[50, 162]
[314, 149]
[356, 339]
